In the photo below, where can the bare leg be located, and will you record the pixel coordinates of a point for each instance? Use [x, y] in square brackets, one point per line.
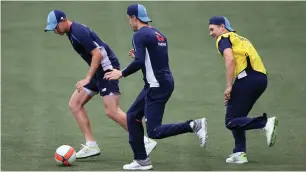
[76, 104]
[113, 110]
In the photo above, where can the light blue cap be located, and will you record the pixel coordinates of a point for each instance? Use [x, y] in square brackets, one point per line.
[54, 17]
[139, 11]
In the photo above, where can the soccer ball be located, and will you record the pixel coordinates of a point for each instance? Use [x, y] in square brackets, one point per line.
[65, 155]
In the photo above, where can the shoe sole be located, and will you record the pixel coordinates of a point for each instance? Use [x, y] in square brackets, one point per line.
[273, 136]
[88, 156]
[206, 135]
[148, 153]
[149, 167]
[237, 162]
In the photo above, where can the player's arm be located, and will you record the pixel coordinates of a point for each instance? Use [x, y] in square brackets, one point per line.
[140, 53]
[225, 47]
[94, 50]
[230, 65]
[95, 62]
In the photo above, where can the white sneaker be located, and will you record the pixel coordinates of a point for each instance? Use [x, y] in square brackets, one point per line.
[149, 145]
[199, 126]
[139, 165]
[237, 158]
[88, 151]
[270, 130]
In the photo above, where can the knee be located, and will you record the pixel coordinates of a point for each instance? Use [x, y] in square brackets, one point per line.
[111, 112]
[228, 124]
[132, 141]
[153, 134]
[74, 105]
[130, 117]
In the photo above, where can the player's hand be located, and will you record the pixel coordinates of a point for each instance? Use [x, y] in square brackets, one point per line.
[79, 86]
[113, 75]
[227, 94]
[132, 53]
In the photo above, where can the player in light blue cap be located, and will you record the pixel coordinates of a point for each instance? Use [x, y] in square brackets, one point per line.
[150, 54]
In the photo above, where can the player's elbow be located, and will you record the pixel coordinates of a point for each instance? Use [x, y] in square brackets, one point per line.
[97, 57]
[230, 64]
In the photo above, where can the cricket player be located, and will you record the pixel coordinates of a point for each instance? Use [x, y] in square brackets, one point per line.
[150, 54]
[244, 66]
[100, 58]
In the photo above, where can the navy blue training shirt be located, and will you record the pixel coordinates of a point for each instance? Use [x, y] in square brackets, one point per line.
[84, 40]
[151, 56]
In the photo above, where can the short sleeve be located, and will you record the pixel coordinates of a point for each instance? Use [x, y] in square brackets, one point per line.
[223, 44]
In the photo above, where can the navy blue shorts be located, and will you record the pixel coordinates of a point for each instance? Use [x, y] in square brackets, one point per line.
[102, 86]
[245, 93]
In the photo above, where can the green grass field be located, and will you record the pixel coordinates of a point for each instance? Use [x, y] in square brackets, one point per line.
[39, 71]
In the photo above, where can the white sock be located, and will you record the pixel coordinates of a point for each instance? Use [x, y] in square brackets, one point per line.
[91, 143]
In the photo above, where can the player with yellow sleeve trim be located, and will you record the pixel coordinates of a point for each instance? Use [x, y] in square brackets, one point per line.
[245, 68]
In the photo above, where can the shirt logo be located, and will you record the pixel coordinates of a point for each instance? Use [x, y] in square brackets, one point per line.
[162, 44]
[159, 37]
